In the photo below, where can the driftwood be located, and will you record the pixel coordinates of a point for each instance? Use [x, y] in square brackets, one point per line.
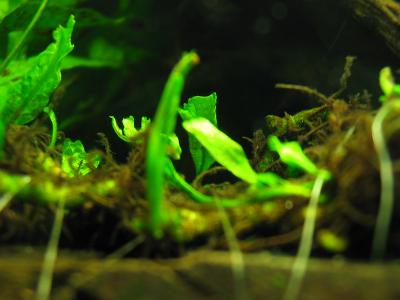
[382, 16]
[198, 276]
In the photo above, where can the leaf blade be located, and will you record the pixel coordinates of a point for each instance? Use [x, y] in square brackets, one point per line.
[205, 107]
[224, 150]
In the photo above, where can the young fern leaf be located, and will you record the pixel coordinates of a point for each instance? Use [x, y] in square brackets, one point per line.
[222, 148]
[200, 107]
[164, 125]
[129, 133]
[75, 159]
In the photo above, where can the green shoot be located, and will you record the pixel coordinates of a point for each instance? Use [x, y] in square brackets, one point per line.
[129, 133]
[22, 40]
[53, 120]
[75, 159]
[292, 154]
[304, 251]
[46, 275]
[391, 99]
[237, 261]
[200, 107]
[164, 124]
[387, 183]
[222, 148]
[391, 90]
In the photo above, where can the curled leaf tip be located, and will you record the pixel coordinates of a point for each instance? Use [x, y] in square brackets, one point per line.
[386, 81]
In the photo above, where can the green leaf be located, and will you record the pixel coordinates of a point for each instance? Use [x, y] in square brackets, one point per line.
[129, 133]
[157, 145]
[224, 150]
[75, 159]
[386, 81]
[204, 107]
[292, 155]
[26, 98]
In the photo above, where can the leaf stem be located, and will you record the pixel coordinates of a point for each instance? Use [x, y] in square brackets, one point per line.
[385, 210]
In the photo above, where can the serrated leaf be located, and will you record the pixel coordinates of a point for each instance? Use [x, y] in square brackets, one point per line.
[224, 150]
[27, 97]
[204, 107]
[75, 159]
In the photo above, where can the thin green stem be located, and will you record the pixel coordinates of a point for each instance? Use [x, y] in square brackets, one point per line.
[164, 125]
[46, 276]
[22, 40]
[303, 254]
[237, 261]
[385, 210]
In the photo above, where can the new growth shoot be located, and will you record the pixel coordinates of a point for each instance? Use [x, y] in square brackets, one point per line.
[164, 125]
[391, 103]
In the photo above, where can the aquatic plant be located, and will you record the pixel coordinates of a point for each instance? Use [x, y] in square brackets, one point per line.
[70, 173]
[391, 104]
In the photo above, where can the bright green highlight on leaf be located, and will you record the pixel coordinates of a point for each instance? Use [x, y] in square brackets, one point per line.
[75, 160]
[388, 85]
[196, 107]
[386, 81]
[292, 155]
[331, 241]
[164, 124]
[224, 150]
